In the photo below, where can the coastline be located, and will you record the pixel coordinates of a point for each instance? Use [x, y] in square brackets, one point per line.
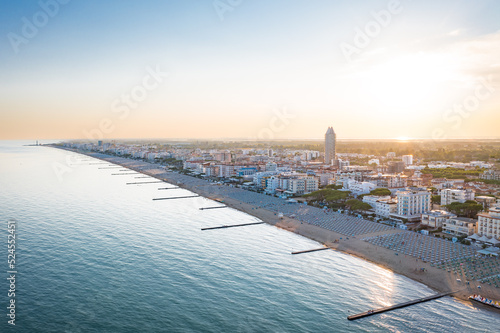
[437, 279]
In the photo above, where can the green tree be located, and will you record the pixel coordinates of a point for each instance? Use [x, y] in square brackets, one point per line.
[433, 189]
[470, 208]
[355, 204]
[327, 195]
[436, 199]
[380, 192]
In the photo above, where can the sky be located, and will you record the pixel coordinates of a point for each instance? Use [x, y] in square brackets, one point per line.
[259, 69]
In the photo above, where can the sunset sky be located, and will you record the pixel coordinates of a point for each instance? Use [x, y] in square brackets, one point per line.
[249, 69]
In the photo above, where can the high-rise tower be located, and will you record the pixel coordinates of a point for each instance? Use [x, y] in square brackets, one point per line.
[330, 140]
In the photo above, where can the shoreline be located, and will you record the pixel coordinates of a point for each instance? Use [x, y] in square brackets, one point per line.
[436, 279]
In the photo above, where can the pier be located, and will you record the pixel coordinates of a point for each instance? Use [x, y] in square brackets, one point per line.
[141, 176]
[398, 306]
[184, 197]
[111, 167]
[120, 174]
[214, 207]
[313, 250]
[168, 188]
[231, 226]
[138, 183]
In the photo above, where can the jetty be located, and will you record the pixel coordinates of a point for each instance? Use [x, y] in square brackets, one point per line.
[313, 250]
[168, 188]
[231, 226]
[138, 183]
[120, 174]
[183, 197]
[214, 207]
[398, 306]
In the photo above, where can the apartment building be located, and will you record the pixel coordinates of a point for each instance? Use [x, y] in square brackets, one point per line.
[384, 206]
[412, 204]
[488, 224]
[436, 218]
[456, 195]
[460, 226]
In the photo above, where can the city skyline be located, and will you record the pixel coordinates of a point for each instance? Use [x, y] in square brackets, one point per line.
[250, 70]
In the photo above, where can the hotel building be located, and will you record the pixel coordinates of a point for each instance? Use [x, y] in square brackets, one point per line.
[412, 204]
[460, 226]
[488, 224]
[453, 195]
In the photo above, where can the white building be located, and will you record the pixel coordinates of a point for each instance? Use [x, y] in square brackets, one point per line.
[257, 177]
[358, 188]
[412, 204]
[227, 171]
[408, 159]
[343, 164]
[488, 224]
[454, 195]
[384, 206]
[222, 156]
[325, 178]
[303, 185]
[211, 170]
[271, 166]
[490, 174]
[460, 226]
[271, 184]
[436, 218]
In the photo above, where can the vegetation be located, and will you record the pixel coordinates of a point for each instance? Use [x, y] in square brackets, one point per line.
[452, 173]
[327, 195]
[356, 205]
[436, 199]
[470, 208]
[380, 192]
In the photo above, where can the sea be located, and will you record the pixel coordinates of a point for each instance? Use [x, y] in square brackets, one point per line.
[93, 254]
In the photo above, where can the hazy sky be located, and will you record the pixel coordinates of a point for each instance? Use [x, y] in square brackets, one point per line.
[249, 69]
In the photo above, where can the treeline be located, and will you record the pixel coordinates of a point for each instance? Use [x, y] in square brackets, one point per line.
[452, 173]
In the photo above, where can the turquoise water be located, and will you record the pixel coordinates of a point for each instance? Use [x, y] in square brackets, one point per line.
[96, 255]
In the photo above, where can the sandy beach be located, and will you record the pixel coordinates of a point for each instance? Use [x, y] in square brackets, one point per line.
[437, 279]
